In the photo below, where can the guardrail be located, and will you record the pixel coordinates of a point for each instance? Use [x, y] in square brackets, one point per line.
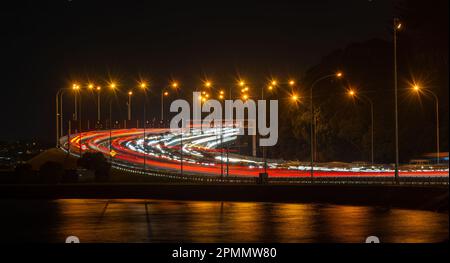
[195, 178]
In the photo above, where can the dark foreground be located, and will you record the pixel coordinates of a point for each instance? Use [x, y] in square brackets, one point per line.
[433, 198]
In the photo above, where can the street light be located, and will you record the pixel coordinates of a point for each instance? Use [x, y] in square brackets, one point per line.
[98, 103]
[335, 75]
[163, 94]
[59, 114]
[352, 93]
[77, 115]
[143, 86]
[75, 88]
[130, 93]
[418, 90]
[397, 26]
[270, 87]
[113, 87]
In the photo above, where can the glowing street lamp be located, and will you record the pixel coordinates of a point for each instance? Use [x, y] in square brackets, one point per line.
[418, 89]
[291, 82]
[75, 88]
[163, 94]
[352, 93]
[130, 93]
[112, 86]
[98, 88]
[334, 75]
[144, 87]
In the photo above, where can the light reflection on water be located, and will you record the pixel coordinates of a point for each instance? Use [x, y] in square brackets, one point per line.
[136, 220]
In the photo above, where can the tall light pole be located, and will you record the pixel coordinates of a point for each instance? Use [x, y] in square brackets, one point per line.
[338, 75]
[221, 97]
[272, 84]
[143, 86]
[98, 103]
[59, 113]
[181, 148]
[163, 94]
[75, 88]
[418, 89]
[130, 93]
[57, 117]
[80, 128]
[397, 25]
[352, 93]
[112, 86]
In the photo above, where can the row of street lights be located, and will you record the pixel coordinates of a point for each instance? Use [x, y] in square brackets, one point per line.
[397, 26]
[204, 96]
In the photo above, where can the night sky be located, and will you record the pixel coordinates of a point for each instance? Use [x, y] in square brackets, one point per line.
[46, 46]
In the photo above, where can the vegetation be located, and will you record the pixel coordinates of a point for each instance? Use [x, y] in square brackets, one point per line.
[96, 162]
[343, 124]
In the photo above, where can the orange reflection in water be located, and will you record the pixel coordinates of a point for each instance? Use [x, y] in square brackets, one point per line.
[194, 221]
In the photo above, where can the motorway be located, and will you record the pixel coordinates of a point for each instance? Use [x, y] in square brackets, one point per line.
[204, 153]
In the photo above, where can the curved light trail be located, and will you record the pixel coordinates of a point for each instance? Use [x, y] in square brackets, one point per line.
[203, 153]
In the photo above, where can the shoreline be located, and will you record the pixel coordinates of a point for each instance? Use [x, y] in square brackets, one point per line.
[432, 198]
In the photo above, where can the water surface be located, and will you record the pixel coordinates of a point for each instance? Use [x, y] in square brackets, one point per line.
[139, 220]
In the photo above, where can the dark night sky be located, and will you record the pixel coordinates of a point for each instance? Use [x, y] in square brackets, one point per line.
[48, 45]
